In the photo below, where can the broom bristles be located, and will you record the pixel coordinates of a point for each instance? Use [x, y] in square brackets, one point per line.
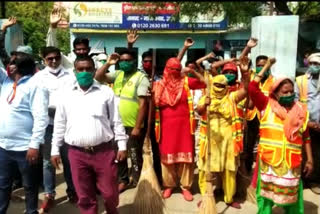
[148, 197]
[208, 205]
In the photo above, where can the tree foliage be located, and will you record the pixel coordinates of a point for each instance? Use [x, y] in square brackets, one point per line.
[34, 19]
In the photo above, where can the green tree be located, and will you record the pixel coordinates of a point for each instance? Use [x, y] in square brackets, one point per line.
[34, 19]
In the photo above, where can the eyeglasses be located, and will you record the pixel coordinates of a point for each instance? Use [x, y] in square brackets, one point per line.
[53, 58]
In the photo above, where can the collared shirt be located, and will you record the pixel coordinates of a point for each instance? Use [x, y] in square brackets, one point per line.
[88, 118]
[56, 85]
[24, 121]
[313, 98]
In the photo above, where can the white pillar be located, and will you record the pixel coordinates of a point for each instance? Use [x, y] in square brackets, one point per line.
[277, 37]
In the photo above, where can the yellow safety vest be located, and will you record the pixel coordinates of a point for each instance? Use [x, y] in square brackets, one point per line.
[302, 83]
[129, 102]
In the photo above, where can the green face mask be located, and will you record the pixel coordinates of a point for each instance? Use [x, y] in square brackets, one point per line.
[314, 69]
[231, 78]
[266, 74]
[286, 100]
[126, 66]
[191, 75]
[85, 79]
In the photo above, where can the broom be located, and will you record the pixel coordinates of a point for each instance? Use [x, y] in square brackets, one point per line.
[208, 205]
[148, 197]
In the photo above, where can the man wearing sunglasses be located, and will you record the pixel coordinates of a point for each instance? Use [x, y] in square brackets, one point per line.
[57, 80]
[24, 118]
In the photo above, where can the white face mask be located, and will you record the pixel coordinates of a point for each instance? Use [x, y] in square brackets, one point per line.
[55, 71]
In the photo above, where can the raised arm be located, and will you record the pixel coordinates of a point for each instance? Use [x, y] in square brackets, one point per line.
[55, 18]
[132, 36]
[197, 75]
[220, 63]
[245, 78]
[251, 44]
[3, 53]
[200, 60]
[102, 74]
[257, 97]
[187, 44]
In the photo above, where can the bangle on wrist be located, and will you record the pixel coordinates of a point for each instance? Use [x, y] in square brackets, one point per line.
[310, 162]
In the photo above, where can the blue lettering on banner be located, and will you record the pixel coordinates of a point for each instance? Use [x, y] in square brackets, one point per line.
[146, 22]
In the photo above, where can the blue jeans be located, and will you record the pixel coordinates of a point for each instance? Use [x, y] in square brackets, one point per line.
[8, 159]
[49, 172]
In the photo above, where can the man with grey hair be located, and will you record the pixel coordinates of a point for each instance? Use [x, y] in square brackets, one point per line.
[308, 92]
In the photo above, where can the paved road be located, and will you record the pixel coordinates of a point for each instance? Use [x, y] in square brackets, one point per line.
[174, 205]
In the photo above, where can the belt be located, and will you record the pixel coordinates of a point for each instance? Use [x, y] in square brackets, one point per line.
[93, 149]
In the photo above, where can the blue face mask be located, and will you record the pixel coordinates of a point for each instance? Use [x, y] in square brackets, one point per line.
[314, 69]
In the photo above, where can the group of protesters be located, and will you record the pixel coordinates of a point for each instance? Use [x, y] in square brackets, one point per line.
[211, 114]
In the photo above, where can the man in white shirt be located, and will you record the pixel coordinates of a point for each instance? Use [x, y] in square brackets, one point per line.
[56, 79]
[87, 119]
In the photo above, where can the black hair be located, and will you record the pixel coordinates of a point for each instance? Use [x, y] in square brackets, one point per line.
[189, 62]
[147, 54]
[48, 50]
[129, 52]
[81, 40]
[25, 63]
[260, 57]
[84, 58]
[286, 81]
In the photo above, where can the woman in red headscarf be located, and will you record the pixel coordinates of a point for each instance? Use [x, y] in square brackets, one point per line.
[175, 125]
[283, 132]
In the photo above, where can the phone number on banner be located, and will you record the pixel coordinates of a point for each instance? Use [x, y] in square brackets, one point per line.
[150, 25]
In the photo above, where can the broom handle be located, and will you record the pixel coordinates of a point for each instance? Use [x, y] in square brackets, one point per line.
[150, 98]
[209, 174]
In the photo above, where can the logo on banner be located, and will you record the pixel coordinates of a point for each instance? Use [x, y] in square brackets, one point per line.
[80, 9]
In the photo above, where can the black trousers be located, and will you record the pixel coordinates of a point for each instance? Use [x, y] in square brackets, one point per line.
[251, 135]
[315, 146]
[134, 148]
[156, 154]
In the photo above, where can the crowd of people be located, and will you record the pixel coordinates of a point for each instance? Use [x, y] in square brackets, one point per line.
[211, 114]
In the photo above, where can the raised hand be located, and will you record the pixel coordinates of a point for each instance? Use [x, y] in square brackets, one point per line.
[113, 59]
[252, 42]
[270, 61]
[10, 22]
[55, 17]
[188, 42]
[211, 55]
[244, 64]
[132, 36]
[187, 70]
